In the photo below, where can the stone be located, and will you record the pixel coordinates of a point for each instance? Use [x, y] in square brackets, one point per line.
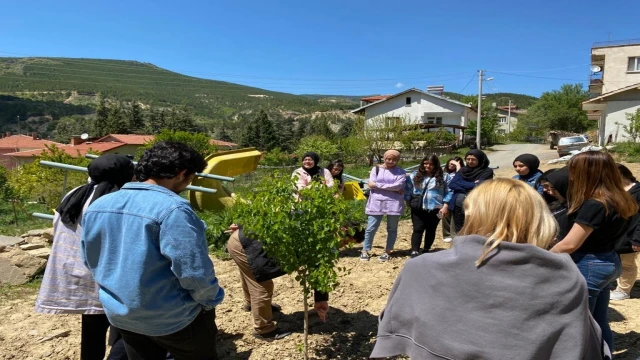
[11, 274]
[33, 332]
[37, 240]
[10, 240]
[42, 253]
[31, 246]
[29, 264]
[36, 233]
[2, 248]
[48, 234]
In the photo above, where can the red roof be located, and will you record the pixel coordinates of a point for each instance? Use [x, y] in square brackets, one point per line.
[129, 139]
[375, 98]
[17, 142]
[77, 150]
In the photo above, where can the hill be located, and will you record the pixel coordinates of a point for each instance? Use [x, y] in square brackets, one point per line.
[501, 99]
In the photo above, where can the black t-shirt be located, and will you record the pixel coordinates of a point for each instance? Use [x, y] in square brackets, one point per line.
[608, 228]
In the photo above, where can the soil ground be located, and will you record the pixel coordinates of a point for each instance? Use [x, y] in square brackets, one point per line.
[348, 334]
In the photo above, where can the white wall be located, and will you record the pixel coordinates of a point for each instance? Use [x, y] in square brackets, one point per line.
[615, 112]
[615, 75]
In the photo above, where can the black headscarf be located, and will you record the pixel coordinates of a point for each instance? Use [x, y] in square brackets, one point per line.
[560, 181]
[315, 169]
[480, 171]
[531, 161]
[108, 173]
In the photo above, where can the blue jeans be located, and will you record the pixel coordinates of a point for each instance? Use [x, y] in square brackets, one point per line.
[599, 270]
[372, 227]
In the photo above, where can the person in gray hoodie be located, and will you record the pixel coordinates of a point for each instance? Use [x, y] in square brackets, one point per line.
[497, 293]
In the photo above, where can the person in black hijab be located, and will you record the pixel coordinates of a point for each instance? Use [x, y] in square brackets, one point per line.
[310, 171]
[556, 184]
[527, 167]
[475, 171]
[108, 173]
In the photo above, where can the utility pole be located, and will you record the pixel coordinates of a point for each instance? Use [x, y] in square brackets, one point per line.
[478, 126]
[18, 124]
[509, 119]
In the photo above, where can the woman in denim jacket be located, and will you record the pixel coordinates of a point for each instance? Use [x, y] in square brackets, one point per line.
[428, 184]
[526, 165]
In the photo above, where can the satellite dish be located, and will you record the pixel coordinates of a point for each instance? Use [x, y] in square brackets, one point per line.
[84, 136]
[595, 68]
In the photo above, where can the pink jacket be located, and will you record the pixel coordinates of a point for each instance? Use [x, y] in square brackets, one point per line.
[304, 179]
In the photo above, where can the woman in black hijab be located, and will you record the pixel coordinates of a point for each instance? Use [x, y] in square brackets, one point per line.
[556, 184]
[68, 286]
[474, 172]
[526, 165]
[310, 171]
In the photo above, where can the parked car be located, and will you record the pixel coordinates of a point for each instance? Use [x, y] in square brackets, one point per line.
[568, 144]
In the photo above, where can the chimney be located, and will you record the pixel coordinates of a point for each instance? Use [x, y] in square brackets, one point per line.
[435, 89]
[76, 140]
[34, 135]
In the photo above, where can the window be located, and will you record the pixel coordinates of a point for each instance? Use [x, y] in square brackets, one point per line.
[634, 64]
[408, 101]
[571, 140]
[503, 120]
[434, 120]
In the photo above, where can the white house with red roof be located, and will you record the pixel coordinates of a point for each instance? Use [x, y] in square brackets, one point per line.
[16, 143]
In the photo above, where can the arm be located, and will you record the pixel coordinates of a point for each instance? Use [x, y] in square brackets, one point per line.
[408, 188]
[459, 185]
[574, 239]
[327, 177]
[321, 304]
[398, 184]
[183, 242]
[301, 181]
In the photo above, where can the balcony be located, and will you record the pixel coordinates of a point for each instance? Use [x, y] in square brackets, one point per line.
[595, 83]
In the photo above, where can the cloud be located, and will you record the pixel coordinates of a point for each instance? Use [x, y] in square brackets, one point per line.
[399, 85]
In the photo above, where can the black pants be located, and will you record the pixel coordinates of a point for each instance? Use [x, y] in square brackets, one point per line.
[424, 222]
[458, 213]
[197, 341]
[93, 338]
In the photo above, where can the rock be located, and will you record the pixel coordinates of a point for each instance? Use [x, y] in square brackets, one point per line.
[48, 234]
[2, 248]
[10, 240]
[37, 240]
[33, 332]
[35, 233]
[26, 263]
[42, 253]
[31, 246]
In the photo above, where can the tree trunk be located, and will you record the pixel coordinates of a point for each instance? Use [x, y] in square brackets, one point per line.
[306, 323]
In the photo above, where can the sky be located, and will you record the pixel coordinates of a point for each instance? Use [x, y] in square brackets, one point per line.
[341, 47]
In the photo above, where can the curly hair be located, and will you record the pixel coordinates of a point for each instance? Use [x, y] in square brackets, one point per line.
[422, 173]
[166, 159]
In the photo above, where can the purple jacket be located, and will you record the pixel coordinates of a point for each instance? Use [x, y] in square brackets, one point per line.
[385, 198]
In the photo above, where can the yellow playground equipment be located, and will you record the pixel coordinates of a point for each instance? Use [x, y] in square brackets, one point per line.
[225, 163]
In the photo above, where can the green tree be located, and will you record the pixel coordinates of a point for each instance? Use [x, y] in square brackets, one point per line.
[321, 127]
[346, 129]
[268, 139]
[199, 141]
[65, 128]
[633, 128]
[353, 149]
[222, 134]
[250, 135]
[154, 121]
[136, 120]
[488, 125]
[284, 130]
[560, 110]
[116, 123]
[102, 115]
[302, 235]
[319, 144]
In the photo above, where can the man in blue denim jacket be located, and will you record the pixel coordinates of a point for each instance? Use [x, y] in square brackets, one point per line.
[147, 251]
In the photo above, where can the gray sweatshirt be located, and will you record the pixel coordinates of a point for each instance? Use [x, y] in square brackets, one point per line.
[522, 303]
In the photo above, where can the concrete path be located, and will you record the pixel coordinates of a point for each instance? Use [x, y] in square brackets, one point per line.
[504, 155]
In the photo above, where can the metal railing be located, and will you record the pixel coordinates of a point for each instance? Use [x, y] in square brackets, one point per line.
[68, 168]
[601, 44]
[208, 176]
[43, 216]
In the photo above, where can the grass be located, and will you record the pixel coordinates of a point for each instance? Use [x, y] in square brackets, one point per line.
[26, 222]
[12, 292]
[627, 151]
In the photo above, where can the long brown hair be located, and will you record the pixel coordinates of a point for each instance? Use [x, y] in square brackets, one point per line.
[594, 175]
[422, 173]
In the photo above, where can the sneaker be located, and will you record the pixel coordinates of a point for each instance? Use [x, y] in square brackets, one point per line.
[617, 295]
[414, 254]
[364, 256]
[447, 240]
[276, 334]
[384, 257]
[274, 308]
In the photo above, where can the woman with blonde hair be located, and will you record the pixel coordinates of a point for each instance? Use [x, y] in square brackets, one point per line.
[600, 214]
[512, 298]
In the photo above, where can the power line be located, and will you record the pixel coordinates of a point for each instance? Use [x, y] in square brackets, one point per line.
[537, 77]
[540, 70]
[470, 80]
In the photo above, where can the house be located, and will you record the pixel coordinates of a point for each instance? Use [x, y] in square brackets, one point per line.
[507, 118]
[13, 143]
[416, 107]
[614, 86]
[125, 144]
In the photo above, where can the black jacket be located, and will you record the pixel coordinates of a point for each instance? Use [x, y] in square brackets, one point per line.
[633, 234]
[262, 266]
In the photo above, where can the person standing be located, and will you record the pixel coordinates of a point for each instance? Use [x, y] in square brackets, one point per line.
[427, 195]
[473, 173]
[527, 167]
[629, 248]
[147, 251]
[311, 171]
[386, 199]
[555, 183]
[601, 213]
[448, 227]
[67, 286]
[336, 169]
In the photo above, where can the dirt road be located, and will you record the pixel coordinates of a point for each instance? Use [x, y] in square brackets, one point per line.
[504, 154]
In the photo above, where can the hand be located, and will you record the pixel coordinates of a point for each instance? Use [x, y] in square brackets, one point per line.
[372, 184]
[232, 228]
[635, 247]
[444, 211]
[321, 308]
